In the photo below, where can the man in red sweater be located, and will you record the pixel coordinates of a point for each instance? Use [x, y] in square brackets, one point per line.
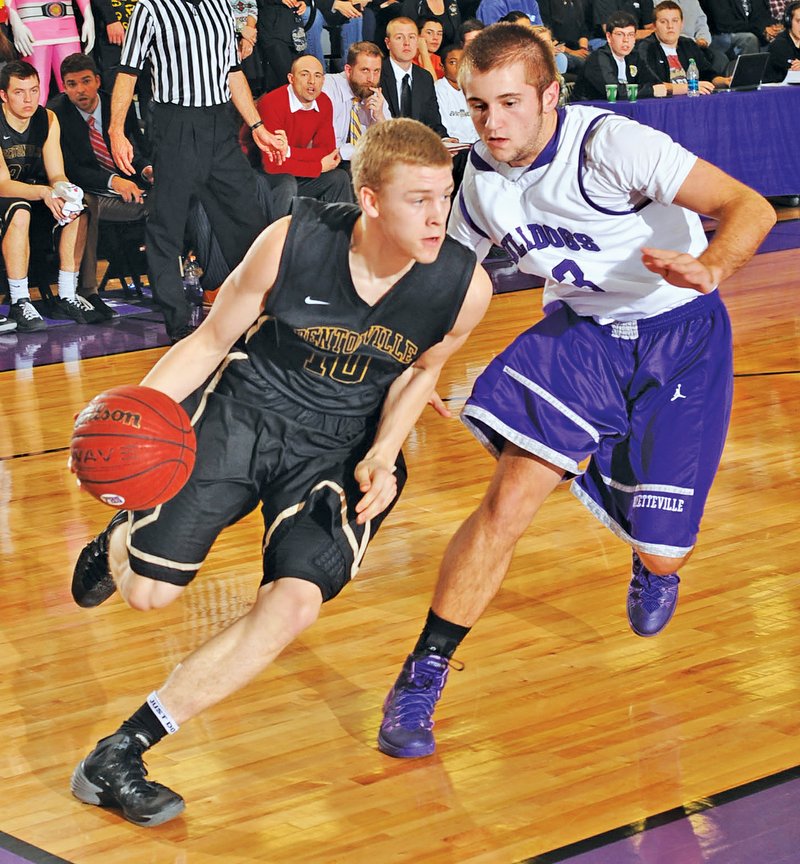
[311, 167]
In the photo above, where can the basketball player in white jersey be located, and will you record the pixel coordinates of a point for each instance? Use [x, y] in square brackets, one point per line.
[631, 367]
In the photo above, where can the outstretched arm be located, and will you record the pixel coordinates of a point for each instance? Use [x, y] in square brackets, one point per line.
[406, 399]
[744, 219]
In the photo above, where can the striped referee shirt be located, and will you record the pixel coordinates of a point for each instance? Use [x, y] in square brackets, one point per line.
[191, 47]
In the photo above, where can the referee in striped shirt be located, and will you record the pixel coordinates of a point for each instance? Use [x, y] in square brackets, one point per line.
[191, 45]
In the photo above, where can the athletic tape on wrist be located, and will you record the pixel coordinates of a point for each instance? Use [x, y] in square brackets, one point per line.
[161, 712]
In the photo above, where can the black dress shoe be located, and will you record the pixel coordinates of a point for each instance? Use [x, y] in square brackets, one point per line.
[102, 307]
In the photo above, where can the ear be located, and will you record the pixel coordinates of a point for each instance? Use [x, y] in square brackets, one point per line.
[550, 97]
[368, 201]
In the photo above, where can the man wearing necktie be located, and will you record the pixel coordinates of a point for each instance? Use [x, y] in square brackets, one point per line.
[408, 88]
[112, 195]
[356, 96]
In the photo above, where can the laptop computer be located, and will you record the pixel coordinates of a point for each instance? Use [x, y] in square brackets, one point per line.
[748, 70]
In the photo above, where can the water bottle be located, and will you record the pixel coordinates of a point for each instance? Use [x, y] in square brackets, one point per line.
[693, 78]
[192, 288]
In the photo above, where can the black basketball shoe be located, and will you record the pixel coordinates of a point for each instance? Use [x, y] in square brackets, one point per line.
[113, 775]
[92, 583]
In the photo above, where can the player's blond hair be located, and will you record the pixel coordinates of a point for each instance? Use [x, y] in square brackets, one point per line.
[505, 44]
[400, 141]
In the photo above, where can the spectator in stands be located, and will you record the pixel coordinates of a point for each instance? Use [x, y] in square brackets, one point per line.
[469, 30]
[312, 165]
[446, 12]
[491, 11]
[614, 63]
[569, 25]
[784, 51]
[112, 19]
[356, 90]
[281, 38]
[740, 26]
[667, 54]
[452, 102]
[30, 165]
[408, 89]
[602, 10]
[345, 21]
[430, 41]
[84, 113]
[245, 23]
[695, 26]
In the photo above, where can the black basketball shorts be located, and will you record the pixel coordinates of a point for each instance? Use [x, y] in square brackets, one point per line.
[254, 445]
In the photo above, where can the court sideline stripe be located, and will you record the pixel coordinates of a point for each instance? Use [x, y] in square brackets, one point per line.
[26, 852]
[590, 844]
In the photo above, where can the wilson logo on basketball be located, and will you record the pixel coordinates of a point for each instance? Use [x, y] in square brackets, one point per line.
[99, 411]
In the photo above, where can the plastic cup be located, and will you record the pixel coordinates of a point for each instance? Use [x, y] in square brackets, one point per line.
[633, 92]
[611, 92]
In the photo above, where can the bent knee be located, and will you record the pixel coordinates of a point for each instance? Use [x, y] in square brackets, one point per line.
[143, 594]
[298, 602]
[661, 565]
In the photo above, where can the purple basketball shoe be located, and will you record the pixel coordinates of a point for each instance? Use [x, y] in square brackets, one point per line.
[406, 730]
[651, 599]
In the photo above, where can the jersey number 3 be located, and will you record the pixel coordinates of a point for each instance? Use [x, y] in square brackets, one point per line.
[568, 271]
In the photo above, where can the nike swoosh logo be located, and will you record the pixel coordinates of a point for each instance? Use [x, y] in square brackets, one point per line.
[312, 302]
[6, 137]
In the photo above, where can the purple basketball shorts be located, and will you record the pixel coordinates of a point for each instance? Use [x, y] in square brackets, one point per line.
[647, 402]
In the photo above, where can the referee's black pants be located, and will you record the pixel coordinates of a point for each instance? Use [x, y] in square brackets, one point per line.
[196, 152]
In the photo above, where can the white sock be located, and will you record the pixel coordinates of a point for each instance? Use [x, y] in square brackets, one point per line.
[18, 288]
[66, 284]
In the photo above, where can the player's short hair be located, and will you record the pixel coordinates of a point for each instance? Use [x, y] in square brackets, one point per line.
[620, 21]
[504, 44]
[667, 5]
[400, 141]
[369, 49]
[78, 62]
[400, 20]
[16, 69]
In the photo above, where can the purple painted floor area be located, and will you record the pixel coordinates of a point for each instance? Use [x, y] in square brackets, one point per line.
[10, 858]
[138, 326]
[758, 828]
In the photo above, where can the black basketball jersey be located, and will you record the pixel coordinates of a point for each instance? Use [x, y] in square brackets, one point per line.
[23, 150]
[321, 344]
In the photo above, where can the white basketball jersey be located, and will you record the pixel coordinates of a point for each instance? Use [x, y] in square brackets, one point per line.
[581, 213]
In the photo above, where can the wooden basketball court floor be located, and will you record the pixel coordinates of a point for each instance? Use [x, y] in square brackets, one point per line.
[563, 724]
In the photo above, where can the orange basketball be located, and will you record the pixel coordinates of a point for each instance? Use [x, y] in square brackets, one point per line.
[132, 447]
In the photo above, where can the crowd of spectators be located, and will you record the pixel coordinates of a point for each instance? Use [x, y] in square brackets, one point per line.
[320, 72]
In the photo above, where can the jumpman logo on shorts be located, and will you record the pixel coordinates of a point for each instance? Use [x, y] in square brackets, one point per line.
[677, 394]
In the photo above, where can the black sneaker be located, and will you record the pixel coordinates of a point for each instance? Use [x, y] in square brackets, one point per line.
[75, 309]
[92, 583]
[24, 314]
[113, 775]
[101, 307]
[7, 326]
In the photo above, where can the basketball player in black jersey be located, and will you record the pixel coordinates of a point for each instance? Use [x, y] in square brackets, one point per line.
[30, 164]
[349, 314]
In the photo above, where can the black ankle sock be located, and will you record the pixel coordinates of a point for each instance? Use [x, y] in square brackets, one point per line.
[440, 636]
[145, 723]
